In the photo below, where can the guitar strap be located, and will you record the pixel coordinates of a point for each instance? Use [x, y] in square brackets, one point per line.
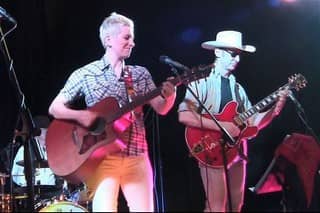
[127, 76]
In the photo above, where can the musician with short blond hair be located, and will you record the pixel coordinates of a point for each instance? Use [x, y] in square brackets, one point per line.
[128, 169]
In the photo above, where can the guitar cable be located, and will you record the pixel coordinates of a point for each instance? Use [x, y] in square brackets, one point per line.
[159, 195]
[206, 167]
[156, 153]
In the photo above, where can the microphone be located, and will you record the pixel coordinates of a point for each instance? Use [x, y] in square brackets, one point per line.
[295, 101]
[4, 14]
[166, 60]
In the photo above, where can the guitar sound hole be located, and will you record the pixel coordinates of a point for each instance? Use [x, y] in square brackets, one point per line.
[90, 140]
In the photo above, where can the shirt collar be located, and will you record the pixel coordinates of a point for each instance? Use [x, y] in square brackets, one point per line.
[106, 63]
[218, 75]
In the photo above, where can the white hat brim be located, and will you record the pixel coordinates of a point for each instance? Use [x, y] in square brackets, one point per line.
[211, 45]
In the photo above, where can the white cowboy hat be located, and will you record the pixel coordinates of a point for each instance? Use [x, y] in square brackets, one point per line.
[228, 40]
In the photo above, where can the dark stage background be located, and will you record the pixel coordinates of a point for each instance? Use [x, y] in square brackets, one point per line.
[55, 37]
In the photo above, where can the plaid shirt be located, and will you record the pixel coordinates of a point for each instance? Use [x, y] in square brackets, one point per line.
[97, 81]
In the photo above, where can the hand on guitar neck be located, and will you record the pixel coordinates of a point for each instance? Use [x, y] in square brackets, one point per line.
[282, 94]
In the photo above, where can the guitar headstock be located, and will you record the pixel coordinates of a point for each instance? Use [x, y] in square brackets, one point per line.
[297, 81]
[196, 73]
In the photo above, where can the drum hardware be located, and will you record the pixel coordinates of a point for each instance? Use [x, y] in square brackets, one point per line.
[2, 175]
[40, 202]
[51, 197]
[19, 202]
[77, 193]
[21, 196]
[2, 181]
[46, 183]
[58, 204]
[5, 199]
[5, 203]
[63, 206]
[84, 197]
[44, 203]
[36, 173]
[80, 195]
[37, 164]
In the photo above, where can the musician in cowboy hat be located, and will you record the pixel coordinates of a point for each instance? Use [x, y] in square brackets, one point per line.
[215, 92]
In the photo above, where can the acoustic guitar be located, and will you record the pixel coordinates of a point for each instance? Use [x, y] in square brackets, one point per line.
[74, 151]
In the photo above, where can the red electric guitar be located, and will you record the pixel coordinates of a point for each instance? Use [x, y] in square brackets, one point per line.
[205, 145]
[74, 151]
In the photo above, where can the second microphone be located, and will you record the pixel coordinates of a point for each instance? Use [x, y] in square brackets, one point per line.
[166, 60]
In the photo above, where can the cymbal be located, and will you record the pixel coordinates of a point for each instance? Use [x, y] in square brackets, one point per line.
[37, 164]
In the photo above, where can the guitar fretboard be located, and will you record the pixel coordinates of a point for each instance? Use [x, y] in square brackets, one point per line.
[261, 105]
[297, 82]
[192, 75]
[138, 101]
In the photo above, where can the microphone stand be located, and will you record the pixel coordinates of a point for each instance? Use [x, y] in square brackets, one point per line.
[25, 117]
[301, 113]
[226, 136]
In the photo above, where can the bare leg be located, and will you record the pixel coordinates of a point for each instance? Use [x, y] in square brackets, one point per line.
[237, 181]
[106, 196]
[214, 185]
[137, 185]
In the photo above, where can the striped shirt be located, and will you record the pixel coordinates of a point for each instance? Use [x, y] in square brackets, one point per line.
[96, 81]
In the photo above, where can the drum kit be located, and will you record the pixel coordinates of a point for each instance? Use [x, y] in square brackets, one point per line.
[51, 193]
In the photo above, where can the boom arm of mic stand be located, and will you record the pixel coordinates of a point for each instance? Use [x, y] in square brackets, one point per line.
[301, 113]
[225, 134]
[25, 114]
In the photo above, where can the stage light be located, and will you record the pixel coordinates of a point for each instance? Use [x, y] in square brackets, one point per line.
[276, 3]
[288, 1]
